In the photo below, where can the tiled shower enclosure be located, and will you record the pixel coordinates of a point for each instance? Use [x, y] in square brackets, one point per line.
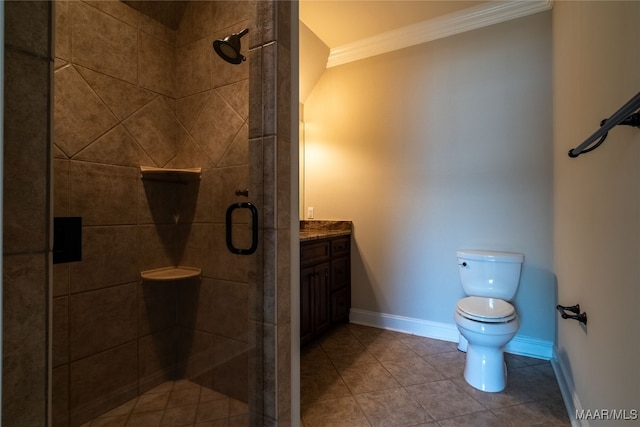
[131, 87]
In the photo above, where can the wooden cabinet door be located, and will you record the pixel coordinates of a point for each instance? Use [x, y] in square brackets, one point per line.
[307, 280]
[340, 305]
[340, 272]
[322, 292]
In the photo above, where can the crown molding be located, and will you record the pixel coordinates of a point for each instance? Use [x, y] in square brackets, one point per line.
[483, 15]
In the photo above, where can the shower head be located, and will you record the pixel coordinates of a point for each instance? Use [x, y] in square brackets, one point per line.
[229, 47]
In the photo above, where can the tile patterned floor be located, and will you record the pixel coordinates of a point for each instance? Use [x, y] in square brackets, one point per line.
[176, 403]
[362, 376]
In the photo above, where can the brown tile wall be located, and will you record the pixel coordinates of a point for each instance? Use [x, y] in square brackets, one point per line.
[26, 274]
[96, 134]
[132, 92]
[270, 154]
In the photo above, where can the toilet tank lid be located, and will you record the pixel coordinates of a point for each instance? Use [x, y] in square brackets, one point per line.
[491, 256]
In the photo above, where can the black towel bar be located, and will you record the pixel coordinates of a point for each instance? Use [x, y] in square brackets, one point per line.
[626, 115]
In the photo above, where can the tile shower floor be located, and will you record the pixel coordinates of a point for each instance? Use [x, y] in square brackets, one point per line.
[362, 376]
[176, 403]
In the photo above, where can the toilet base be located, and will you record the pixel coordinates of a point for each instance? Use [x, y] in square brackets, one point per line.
[462, 343]
[485, 368]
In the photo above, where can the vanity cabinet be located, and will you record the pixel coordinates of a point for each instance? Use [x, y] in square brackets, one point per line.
[314, 300]
[325, 285]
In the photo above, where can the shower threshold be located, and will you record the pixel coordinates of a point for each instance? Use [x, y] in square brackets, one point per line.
[176, 403]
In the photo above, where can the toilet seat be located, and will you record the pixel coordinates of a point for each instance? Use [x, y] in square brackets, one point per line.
[486, 310]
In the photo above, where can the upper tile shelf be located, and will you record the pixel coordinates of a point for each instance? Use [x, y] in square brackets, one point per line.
[166, 174]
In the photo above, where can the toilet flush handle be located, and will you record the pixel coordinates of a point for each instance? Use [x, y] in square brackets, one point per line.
[464, 264]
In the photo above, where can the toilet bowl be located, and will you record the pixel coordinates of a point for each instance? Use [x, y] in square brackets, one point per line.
[486, 338]
[485, 318]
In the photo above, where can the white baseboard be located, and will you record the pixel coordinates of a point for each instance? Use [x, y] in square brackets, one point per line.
[531, 347]
[567, 389]
[423, 328]
[524, 346]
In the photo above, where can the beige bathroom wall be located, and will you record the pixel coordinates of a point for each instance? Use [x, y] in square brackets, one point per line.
[313, 60]
[597, 204]
[438, 147]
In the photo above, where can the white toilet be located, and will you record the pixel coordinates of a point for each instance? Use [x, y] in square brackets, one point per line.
[485, 318]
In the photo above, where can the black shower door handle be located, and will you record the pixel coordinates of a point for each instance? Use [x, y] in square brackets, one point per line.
[254, 228]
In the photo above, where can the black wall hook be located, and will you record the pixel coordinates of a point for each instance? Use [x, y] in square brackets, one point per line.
[580, 317]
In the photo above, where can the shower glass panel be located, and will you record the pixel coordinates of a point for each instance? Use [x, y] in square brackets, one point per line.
[152, 326]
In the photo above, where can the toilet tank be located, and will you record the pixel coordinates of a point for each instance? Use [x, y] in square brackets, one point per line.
[490, 274]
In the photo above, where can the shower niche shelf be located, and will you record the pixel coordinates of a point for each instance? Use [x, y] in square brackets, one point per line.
[166, 174]
[165, 274]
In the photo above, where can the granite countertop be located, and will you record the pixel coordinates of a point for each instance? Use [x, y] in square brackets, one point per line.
[318, 229]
